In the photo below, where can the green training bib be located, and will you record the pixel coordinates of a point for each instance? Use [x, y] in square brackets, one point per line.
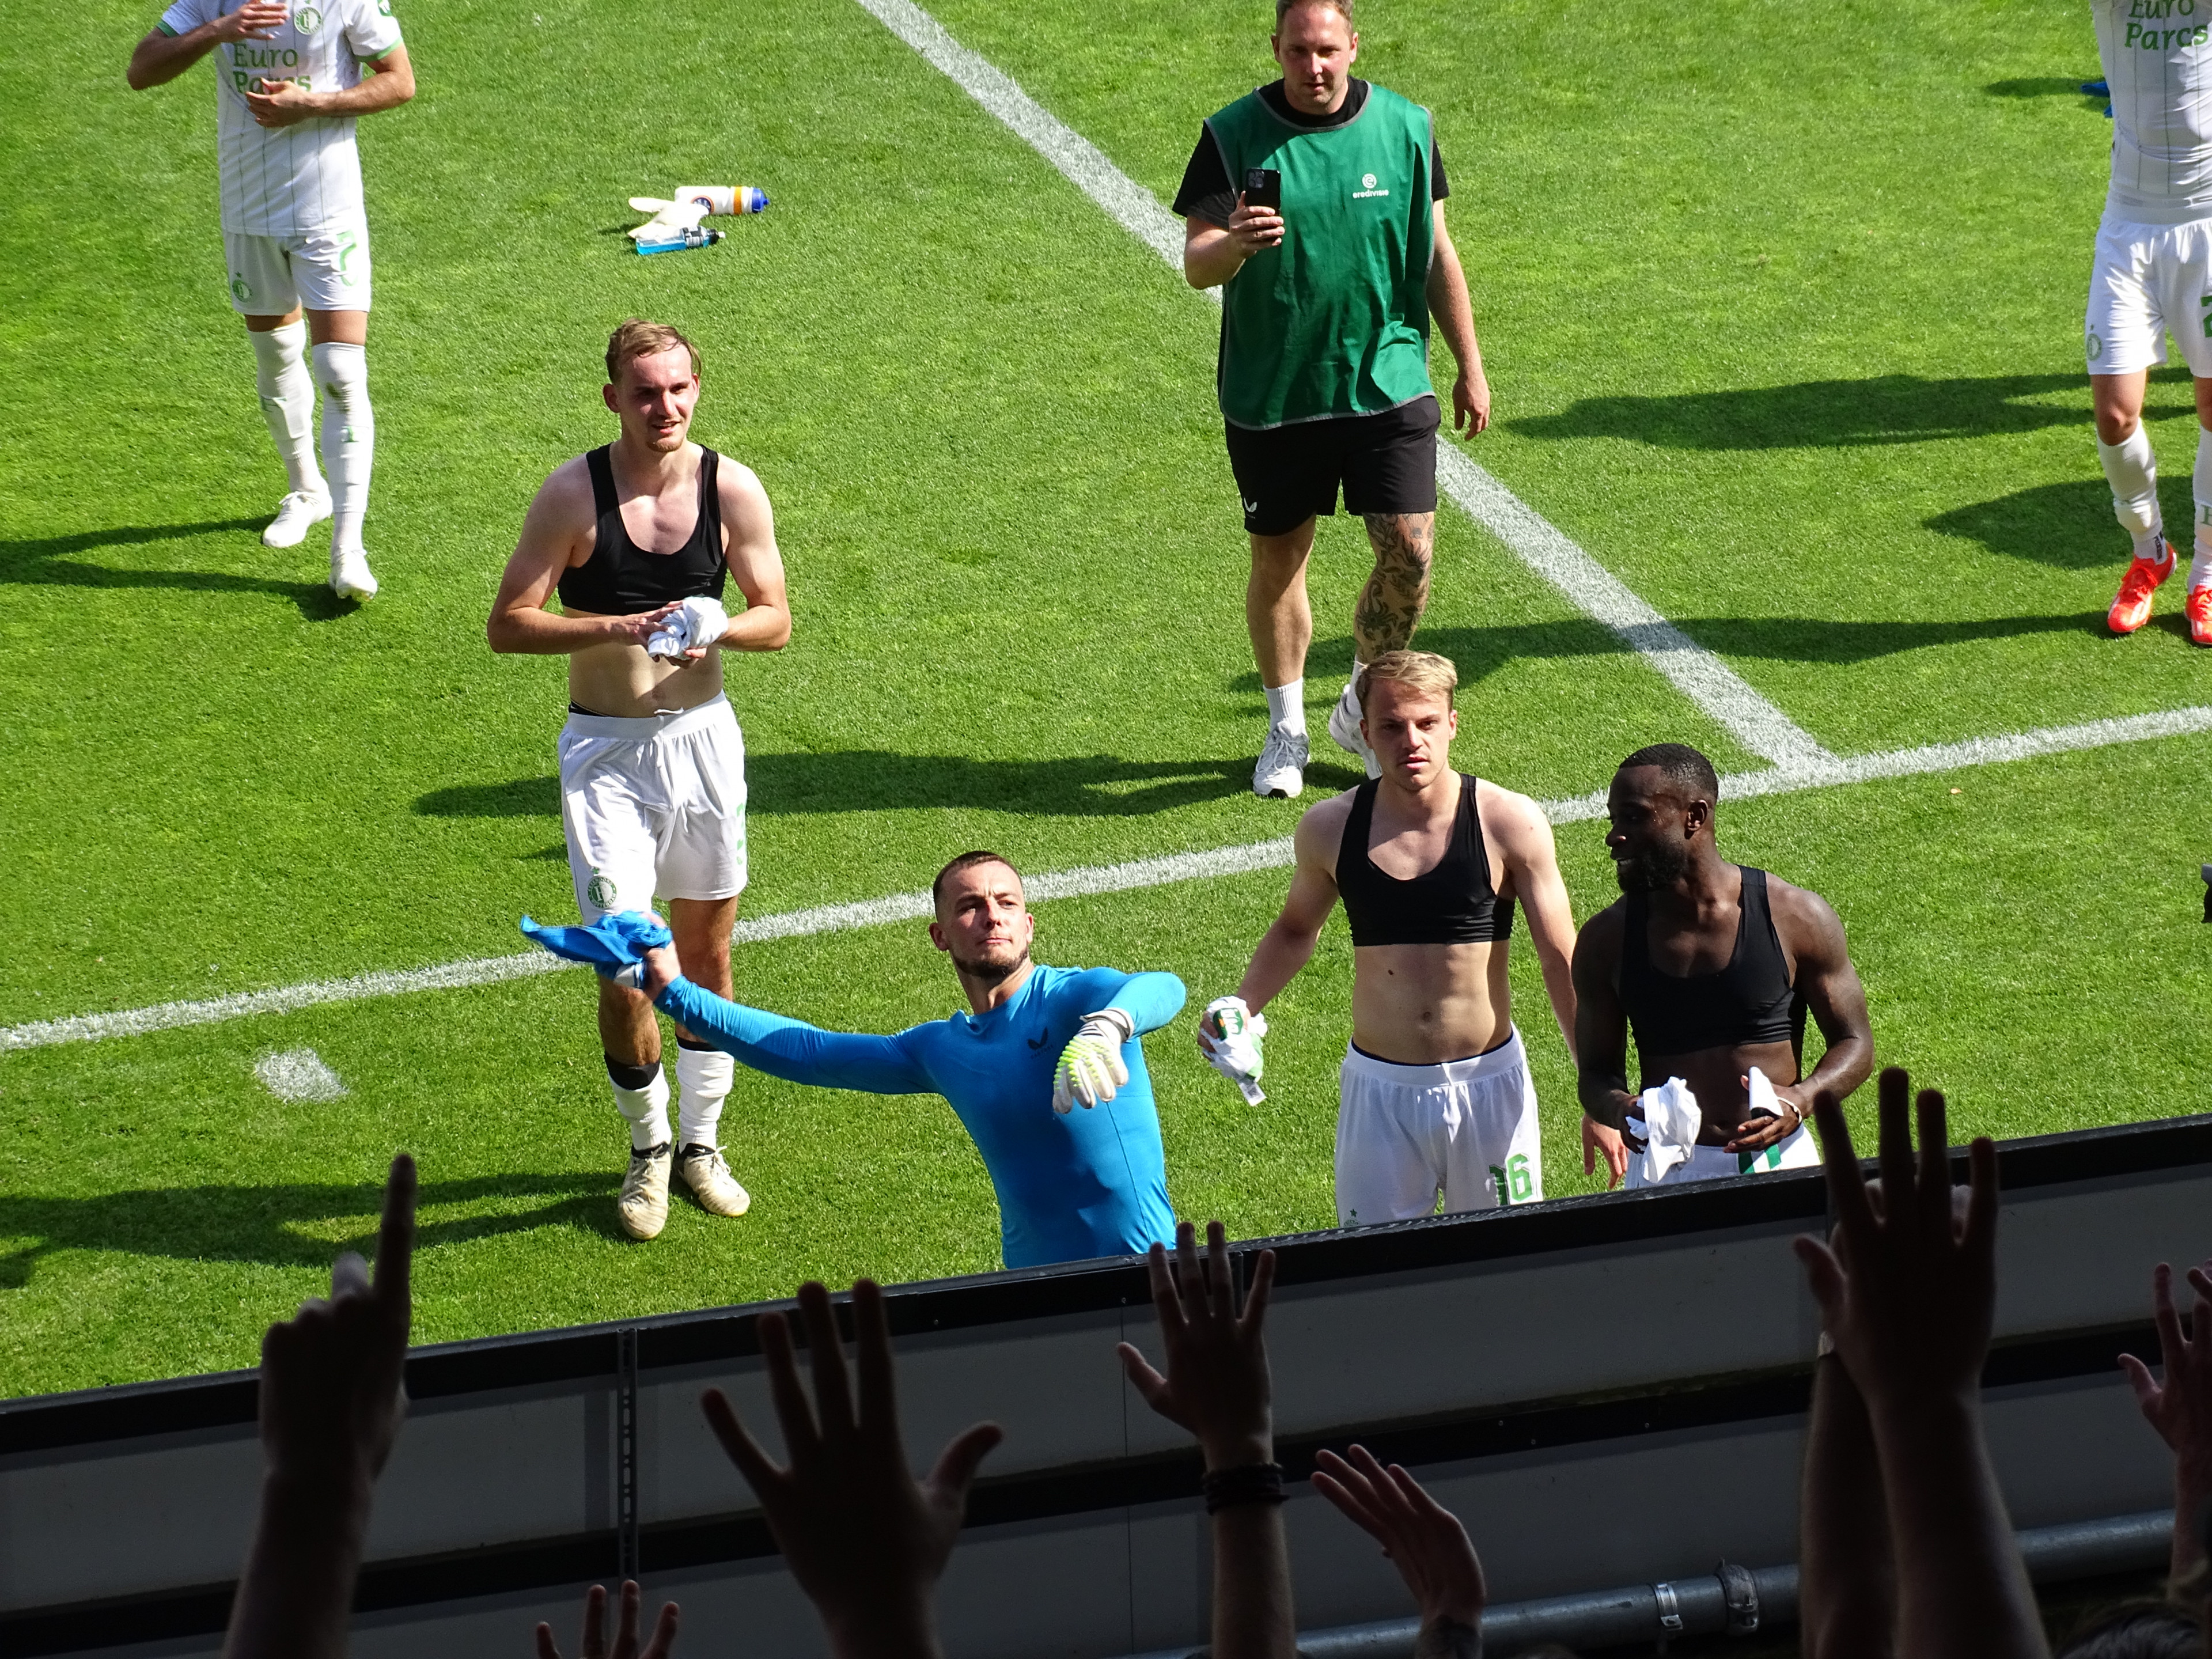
[1335, 320]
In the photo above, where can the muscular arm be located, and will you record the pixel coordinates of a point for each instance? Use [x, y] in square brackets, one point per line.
[552, 532]
[161, 57]
[791, 1049]
[389, 83]
[1814, 935]
[1212, 254]
[1600, 1022]
[1288, 944]
[756, 565]
[1532, 859]
[1454, 315]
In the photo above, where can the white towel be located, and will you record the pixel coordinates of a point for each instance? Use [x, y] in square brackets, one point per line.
[697, 625]
[1763, 1103]
[1672, 1119]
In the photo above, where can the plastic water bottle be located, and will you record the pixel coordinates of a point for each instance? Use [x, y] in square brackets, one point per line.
[690, 239]
[725, 198]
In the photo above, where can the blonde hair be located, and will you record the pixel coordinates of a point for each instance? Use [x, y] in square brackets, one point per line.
[1284, 7]
[637, 337]
[1424, 671]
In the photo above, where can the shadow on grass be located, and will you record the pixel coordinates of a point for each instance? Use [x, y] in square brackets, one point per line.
[265, 1225]
[873, 781]
[1889, 408]
[2045, 86]
[2067, 525]
[42, 561]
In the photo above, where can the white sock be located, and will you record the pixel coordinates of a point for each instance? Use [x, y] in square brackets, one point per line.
[646, 1109]
[1286, 706]
[2132, 471]
[703, 1075]
[2200, 568]
[1352, 686]
[287, 400]
[348, 436]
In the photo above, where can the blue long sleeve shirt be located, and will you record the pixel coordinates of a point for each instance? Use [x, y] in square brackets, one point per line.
[1090, 1183]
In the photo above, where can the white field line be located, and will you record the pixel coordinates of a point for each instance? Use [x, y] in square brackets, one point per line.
[1069, 884]
[1699, 675]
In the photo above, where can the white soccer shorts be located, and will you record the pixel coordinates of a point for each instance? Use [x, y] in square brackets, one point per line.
[2150, 280]
[1796, 1150]
[1466, 1129]
[322, 270]
[653, 806]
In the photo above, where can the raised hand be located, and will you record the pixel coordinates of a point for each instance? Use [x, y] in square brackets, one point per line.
[592, 1645]
[1091, 1068]
[1216, 1384]
[1423, 1539]
[2181, 1407]
[865, 1541]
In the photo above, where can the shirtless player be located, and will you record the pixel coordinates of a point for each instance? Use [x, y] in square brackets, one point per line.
[636, 537]
[1714, 966]
[1436, 1097]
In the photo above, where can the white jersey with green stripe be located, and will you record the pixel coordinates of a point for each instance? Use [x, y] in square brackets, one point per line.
[2159, 65]
[286, 181]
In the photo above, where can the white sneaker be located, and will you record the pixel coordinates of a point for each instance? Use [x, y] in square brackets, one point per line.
[296, 514]
[707, 1173]
[351, 578]
[1282, 769]
[1344, 727]
[643, 1205]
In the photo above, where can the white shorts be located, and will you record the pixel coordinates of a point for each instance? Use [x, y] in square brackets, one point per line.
[653, 806]
[1795, 1150]
[2150, 280]
[322, 270]
[1466, 1129]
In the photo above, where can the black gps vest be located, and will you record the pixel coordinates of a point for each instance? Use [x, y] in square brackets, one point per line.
[1452, 903]
[1750, 1001]
[621, 579]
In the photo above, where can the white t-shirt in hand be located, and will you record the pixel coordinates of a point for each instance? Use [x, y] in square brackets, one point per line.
[283, 181]
[2158, 61]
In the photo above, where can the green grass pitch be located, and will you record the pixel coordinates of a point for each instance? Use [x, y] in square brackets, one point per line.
[1781, 307]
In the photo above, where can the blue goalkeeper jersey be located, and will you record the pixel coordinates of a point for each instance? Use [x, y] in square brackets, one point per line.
[1090, 1183]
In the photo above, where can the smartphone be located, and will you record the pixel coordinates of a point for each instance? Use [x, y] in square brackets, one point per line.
[1263, 188]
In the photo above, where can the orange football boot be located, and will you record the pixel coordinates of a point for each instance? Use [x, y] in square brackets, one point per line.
[2132, 609]
[2198, 610]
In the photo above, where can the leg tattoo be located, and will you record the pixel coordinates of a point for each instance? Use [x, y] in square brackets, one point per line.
[1391, 603]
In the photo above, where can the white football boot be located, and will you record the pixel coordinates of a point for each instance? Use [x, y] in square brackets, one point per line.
[707, 1173]
[1344, 727]
[296, 514]
[351, 577]
[1281, 773]
[643, 1205]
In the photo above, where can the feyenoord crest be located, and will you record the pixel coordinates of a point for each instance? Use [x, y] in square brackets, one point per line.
[307, 19]
[600, 890]
[241, 289]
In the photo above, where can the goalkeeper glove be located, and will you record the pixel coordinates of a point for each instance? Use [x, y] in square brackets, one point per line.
[1091, 1067]
[1229, 1034]
[696, 626]
[614, 944]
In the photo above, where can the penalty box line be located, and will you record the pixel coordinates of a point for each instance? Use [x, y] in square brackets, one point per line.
[1703, 678]
[1078, 883]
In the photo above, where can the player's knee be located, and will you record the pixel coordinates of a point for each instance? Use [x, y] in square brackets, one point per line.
[2116, 426]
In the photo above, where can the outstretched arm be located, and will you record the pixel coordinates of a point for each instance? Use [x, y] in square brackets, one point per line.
[789, 1049]
[1288, 944]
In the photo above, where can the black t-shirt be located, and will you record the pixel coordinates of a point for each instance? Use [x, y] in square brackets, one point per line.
[1207, 192]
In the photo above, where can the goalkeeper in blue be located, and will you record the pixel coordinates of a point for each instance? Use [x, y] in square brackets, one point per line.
[1046, 1071]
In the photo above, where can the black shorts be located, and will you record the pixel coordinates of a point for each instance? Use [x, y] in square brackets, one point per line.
[1387, 463]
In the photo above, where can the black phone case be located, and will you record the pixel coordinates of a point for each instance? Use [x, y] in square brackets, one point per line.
[1263, 187]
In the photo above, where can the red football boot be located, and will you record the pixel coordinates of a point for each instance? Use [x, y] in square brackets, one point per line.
[2132, 609]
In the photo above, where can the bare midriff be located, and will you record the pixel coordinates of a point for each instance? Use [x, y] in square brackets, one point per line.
[1715, 1078]
[618, 678]
[1420, 1005]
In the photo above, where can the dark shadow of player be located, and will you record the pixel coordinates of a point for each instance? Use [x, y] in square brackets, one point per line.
[41, 561]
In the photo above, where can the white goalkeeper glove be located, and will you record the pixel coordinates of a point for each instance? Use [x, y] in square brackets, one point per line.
[1091, 1067]
[696, 626]
[1230, 1033]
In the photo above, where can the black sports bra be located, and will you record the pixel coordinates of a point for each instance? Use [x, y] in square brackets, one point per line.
[1453, 903]
[621, 579]
[1750, 1001]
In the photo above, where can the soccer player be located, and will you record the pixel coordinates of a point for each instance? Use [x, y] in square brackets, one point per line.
[638, 539]
[1429, 862]
[2154, 273]
[1323, 373]
[290, 82]
[1713, 966]
[1038, 1042]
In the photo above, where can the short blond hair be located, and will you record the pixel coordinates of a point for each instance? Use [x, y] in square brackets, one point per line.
[1424, 671]
[637, 337]
[1284, 8]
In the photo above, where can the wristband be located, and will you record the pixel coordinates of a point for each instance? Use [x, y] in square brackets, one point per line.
[1248, 1483]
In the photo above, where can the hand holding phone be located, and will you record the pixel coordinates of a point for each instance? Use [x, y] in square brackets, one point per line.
[1263, 188]
[1257, 223]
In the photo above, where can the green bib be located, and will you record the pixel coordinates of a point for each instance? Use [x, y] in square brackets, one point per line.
[1335, 320]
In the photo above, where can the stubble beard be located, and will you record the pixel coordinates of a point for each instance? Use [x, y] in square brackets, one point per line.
[1654, 868]
[985, 972]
